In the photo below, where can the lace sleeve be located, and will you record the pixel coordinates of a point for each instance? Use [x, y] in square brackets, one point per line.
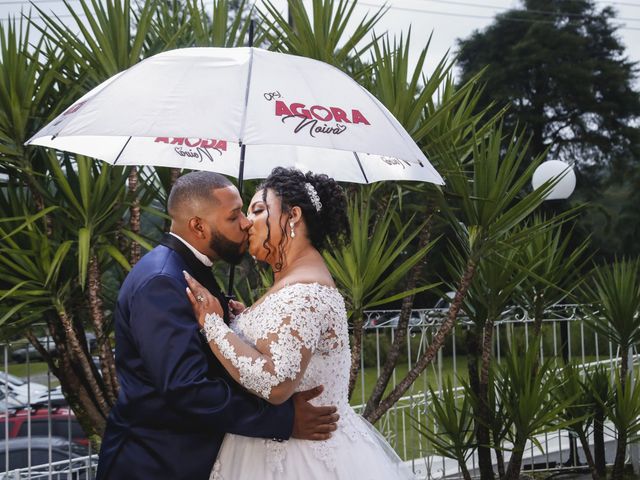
[290, 327]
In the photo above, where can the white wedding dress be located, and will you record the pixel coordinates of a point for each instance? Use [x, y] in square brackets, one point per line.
[305, 326]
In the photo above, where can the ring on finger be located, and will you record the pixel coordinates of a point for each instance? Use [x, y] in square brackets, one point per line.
[200, 298]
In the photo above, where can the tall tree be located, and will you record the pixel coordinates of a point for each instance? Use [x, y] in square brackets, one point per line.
[561, 69]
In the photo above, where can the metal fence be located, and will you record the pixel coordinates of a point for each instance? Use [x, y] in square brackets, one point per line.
[42, 439]
[565, 336]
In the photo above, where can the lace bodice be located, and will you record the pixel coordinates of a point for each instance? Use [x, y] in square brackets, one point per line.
[295, 339]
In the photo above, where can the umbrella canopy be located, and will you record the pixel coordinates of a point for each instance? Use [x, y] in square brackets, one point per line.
[197, 108]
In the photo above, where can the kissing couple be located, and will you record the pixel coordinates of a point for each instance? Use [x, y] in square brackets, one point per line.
[210, 389]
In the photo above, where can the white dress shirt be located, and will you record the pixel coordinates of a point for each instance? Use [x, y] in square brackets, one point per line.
[199, 255]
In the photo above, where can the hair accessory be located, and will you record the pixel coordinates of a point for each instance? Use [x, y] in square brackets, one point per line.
[313, 196]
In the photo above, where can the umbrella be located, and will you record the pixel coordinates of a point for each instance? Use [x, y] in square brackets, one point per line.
[203, 108]
[240, 112]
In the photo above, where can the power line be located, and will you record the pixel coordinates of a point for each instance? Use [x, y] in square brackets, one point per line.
[625, 4]
[542, 12]
[53, 15]
[25, 2]
[468, 15]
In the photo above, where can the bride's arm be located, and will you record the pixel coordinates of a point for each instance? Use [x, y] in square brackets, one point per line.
[274, 368]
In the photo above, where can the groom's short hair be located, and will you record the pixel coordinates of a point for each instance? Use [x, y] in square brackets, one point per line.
[195, 186]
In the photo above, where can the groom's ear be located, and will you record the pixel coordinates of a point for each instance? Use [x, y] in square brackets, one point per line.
[196, 227]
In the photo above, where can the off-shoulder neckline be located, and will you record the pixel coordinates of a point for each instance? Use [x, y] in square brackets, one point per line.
[264, 298]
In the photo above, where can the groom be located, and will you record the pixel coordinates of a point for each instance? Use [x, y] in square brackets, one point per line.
[176, 401]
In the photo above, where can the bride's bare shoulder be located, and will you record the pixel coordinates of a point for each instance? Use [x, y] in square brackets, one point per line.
[308, 277]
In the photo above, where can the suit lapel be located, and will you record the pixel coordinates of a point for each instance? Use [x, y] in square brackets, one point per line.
[197, 269]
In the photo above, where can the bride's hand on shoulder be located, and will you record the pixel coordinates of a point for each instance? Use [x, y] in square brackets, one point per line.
[202, 301]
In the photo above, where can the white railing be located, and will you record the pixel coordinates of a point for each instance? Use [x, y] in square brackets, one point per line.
[565, 336]
[80, 468]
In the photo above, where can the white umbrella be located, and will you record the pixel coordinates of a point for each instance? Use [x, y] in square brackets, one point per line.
[200, 108]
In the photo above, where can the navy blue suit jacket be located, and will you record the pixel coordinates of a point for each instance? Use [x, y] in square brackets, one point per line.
[176, 402]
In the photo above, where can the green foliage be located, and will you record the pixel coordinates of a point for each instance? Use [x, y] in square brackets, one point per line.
[495, 285]
[31, 92]
[624, 409]
[526, 392]
[614, 302]
[566, 78]
[111, 40]
[322, 33]
[555, 263]
[369, 269]
[450, 424]
[576, 395]
[178, 24]
[488, 203]
[86, 202]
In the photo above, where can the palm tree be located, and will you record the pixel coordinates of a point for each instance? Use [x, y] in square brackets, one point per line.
[597, 385]
[411, 97]
[369, 269]
[55, 276]
[450, 425]
[487, 203]
[555, 266]
[526, 394]
[497, 281]
[624, 413]
[180, 24]
[615, 313]
[581, 404]
[322, 35]
[71, 215]
[113, 40]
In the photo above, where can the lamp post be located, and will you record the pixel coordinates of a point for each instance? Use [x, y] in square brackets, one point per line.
[555, 203]
[553, 169]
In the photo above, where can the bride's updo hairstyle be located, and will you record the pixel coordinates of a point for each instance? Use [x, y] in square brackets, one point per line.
[330, 225]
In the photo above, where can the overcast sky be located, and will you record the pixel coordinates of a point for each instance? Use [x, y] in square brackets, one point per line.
[448, 20]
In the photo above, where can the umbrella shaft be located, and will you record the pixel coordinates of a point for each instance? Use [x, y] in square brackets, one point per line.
[232, 268]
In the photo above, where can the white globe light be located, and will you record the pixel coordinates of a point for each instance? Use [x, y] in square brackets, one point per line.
[551, 169]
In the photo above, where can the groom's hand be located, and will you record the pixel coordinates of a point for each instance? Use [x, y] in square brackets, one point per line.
[312, 423]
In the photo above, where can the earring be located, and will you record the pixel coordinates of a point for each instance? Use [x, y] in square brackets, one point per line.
[291, 225]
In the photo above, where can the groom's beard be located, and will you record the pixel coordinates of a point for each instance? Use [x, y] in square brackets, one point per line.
[228, 250]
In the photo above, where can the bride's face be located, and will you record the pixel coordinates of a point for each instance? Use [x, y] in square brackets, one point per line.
[268, 223]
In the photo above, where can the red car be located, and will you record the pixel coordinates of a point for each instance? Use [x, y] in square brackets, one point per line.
[63, 424]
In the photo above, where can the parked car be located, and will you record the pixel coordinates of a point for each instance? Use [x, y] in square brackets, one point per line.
[21, 390]
[70, 458]
[59, 422]
[20, 355]
[445, 302]
[54, 397]
[380, 321]
[9, 402]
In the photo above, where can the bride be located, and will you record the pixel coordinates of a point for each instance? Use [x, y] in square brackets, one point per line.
[294, 338]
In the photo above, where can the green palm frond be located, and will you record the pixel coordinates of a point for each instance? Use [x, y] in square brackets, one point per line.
[615, 293]
[110, 40]
[30, 90]
[449, 425]
[526, 393]
[329, 32]
[369, 269]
